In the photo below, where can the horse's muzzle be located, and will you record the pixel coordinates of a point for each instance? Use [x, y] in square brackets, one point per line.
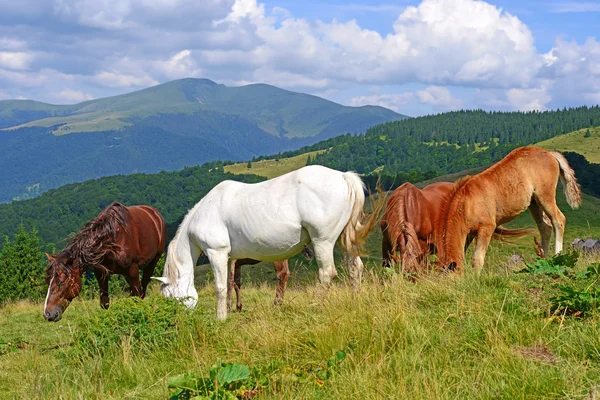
[54, 315]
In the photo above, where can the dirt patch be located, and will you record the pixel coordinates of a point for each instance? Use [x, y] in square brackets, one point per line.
[540, 353]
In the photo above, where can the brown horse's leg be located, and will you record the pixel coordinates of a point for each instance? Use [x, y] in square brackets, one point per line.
[387, 249]
[237, 285]
[484, 236]
[133, 278]
[544, 228]
[147, 273]
[231, 284]
[102, 279]
[282, 270]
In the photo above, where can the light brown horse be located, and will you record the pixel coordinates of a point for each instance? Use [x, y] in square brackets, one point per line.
[409, 220]
[282, 270]
[120, 240]
[526, 178]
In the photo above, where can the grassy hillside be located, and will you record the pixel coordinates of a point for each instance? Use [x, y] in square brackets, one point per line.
[576, 142]
[166, 127]
[271, 168]
[276, 111]
[444, 337]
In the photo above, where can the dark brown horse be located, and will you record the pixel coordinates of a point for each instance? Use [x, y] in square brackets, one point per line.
[526, 178]
[408, 224]
[282, 270]
[121, 240]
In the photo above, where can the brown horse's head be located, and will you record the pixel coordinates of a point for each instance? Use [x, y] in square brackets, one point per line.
[64, 283]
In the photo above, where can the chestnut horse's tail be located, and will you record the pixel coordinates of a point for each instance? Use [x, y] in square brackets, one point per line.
[501, 233]
[569, 181]
[360, 223]
[400, 231]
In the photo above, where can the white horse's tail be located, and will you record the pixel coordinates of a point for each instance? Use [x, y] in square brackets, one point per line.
[567, 177]
[360, 223]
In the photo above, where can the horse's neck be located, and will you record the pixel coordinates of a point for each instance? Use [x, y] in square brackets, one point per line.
[454, 231]
[186, 254]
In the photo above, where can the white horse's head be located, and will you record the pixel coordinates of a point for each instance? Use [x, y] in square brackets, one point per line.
[186, 293]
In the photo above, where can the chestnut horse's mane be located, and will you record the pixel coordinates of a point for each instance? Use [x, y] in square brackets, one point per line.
[95, 240]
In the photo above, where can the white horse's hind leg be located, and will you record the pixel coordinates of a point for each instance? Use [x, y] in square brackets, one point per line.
[324, 255]
[355, 268]
[218, 262]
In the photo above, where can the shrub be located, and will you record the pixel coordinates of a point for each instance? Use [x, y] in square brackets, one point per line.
[22, 266]
[154, 321]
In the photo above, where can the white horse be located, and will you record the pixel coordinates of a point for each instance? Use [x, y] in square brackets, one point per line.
[270, 221]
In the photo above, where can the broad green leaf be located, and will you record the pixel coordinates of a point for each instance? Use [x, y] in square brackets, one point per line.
[232, 373]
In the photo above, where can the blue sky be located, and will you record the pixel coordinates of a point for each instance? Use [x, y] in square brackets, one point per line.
[416, 57]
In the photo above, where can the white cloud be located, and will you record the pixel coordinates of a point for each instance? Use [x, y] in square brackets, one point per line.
[72, 96]
[181, 65]
[574, 71]
[528, 99]
[439, 42]
[391, 101]
[115, 79]
[123, 45]
[8, 43]
[15, 59]
[575, 7]
[439, 97]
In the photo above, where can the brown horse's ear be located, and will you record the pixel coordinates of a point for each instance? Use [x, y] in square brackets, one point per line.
[49, 257]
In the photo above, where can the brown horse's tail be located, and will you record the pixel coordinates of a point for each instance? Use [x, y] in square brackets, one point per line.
[569, 181]
[360, 223]
[501, 233]
[412, 248]
[399, 230]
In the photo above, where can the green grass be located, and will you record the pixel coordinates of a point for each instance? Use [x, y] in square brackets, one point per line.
[574, 141]
[488, 336]
[444, 337]
[272, 168]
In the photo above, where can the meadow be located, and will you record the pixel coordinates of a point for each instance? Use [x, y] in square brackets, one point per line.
[497, 335]
[272, 168]
[578, 142]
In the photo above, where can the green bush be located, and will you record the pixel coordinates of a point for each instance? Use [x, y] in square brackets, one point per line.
[153, 322]
[22, 266]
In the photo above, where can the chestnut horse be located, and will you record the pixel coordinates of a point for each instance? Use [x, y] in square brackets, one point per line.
[408, 224]
[120, 240]
[282, 270]
[526, 178]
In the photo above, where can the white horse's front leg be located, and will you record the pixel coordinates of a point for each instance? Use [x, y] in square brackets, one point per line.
[218, 262]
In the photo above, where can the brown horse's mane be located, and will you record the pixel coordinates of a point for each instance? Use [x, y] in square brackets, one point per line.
[93, 242]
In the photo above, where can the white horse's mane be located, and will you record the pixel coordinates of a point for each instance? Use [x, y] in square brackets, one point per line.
[171, 263]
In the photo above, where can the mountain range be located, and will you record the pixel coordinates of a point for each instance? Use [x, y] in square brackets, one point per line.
[165, 127]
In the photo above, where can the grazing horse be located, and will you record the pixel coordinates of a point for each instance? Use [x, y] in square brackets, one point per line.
[282, 270]
[526, 178]
[120, 240]
[409, 220]
[270, 221]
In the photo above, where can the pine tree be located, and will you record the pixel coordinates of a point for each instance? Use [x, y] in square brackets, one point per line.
[22, 267]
